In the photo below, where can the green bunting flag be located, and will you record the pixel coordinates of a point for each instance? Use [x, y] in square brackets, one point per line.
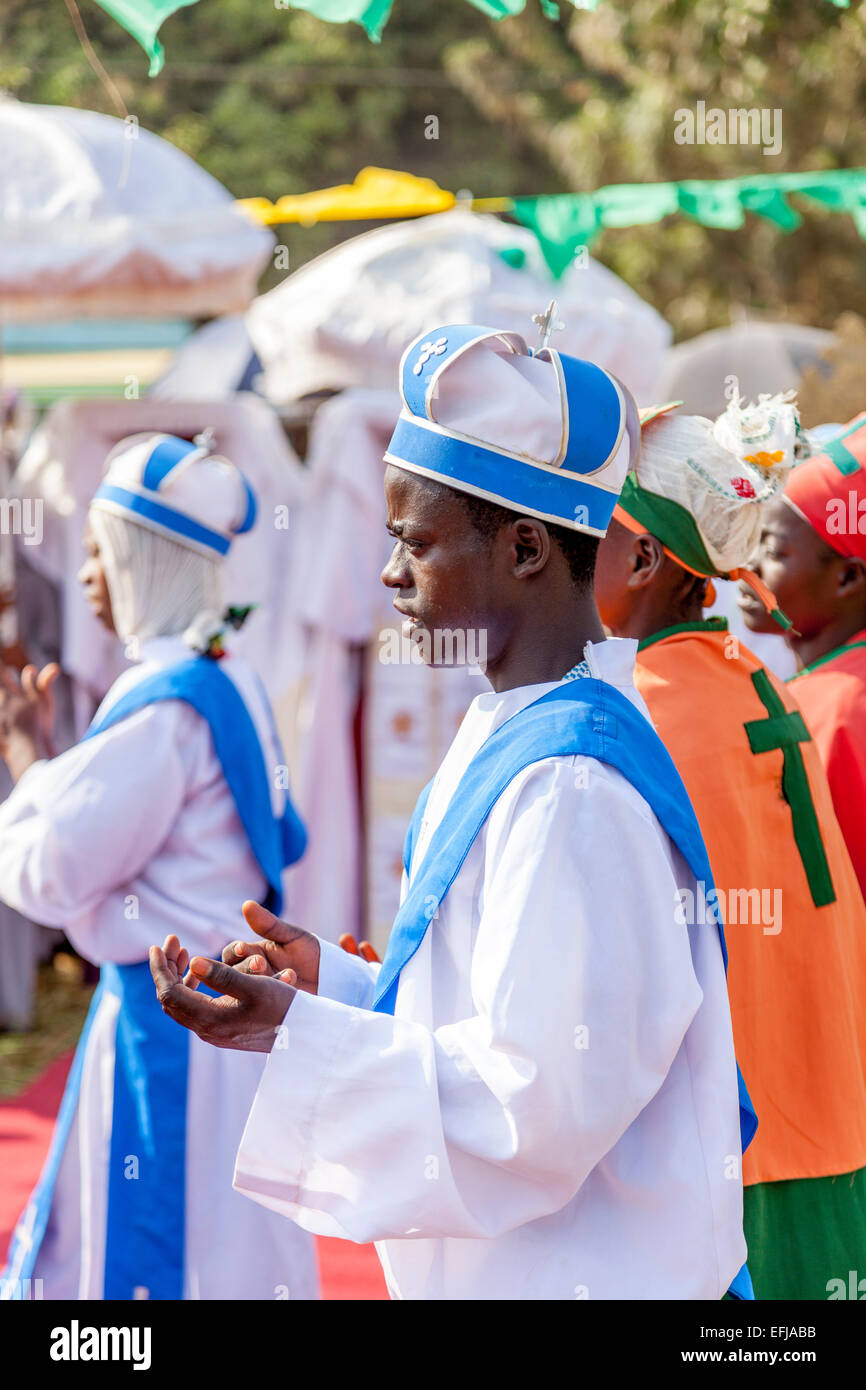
[141, 19]
[372, 14]
[565, 222]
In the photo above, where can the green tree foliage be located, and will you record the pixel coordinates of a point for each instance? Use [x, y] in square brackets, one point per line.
[272, 101]
[620, 75]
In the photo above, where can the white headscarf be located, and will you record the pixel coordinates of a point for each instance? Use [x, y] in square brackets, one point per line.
[157, 587]
[723, 471]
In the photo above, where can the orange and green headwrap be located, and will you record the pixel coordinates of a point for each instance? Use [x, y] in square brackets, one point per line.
[699, 484]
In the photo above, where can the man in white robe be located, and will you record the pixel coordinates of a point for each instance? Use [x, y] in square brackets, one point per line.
[535, 1096]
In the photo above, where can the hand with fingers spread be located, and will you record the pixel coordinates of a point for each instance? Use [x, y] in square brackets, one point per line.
[26, 716]
[282, 947]
[249, 1012]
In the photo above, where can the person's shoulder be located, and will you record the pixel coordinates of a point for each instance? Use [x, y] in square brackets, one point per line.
[835, 689]
[850, 670]
[246, 681]
[162, 725]
[579, 787]
[674, 675]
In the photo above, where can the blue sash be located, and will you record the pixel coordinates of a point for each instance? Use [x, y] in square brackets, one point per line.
[145, 1225]
[200, 682]
[584, 716]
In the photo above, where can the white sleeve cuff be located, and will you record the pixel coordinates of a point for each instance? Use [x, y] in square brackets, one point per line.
[344, 978]
[275, 1156]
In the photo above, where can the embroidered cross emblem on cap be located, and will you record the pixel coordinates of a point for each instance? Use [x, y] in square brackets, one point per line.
[427, 351]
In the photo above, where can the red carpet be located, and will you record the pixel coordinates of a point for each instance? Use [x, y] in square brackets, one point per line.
[348, 1271]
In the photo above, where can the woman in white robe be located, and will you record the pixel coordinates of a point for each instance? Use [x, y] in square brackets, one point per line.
[134, 831]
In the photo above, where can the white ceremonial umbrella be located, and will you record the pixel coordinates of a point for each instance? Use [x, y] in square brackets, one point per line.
[344, 319]
[755, 356]
[101, 218]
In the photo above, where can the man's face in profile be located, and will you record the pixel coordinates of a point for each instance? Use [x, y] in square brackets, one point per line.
[443, 572]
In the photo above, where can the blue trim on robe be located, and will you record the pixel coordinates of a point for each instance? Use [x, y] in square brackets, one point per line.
[200, 683]
[741, 1286]
[145, 1225]
[145, 1219]
[588, 717]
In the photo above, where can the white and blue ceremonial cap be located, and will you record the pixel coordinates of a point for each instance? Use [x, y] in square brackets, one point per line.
[538, 432]
[178, 489]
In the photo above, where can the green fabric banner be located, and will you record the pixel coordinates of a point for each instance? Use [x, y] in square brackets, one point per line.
[372, 14]
[565, 222]
[141, 19]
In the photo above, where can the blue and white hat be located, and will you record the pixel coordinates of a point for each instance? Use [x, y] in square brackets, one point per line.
[178, 489]
[539, 433]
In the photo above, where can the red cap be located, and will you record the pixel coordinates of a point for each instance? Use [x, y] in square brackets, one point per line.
[829, 490]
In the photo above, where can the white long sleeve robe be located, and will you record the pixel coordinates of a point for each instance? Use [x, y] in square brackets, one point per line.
[124, 838]
[552, 1112]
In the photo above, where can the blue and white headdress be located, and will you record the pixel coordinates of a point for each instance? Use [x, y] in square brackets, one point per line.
[537, 432]
[180, 490]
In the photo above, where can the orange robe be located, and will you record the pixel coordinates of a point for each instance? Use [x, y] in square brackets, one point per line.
[798, 994]
[832, 695]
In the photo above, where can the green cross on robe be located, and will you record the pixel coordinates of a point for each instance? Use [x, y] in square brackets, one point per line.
[786, 730]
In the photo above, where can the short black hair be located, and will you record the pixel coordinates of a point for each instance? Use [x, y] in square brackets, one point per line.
[579, 549]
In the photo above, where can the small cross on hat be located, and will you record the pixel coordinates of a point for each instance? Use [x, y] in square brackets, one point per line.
[547, 323]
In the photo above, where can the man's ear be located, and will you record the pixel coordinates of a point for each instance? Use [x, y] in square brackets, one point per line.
[531, 542]
[851, 578]
[646, 561]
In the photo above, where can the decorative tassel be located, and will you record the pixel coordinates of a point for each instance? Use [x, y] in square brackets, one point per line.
[236, 617]
[205, 635]
[766, 596]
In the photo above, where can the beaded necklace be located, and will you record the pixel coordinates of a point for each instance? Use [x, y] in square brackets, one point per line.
[578, 672]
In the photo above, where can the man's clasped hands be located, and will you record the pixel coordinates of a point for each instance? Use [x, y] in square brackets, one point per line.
[255, 982]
